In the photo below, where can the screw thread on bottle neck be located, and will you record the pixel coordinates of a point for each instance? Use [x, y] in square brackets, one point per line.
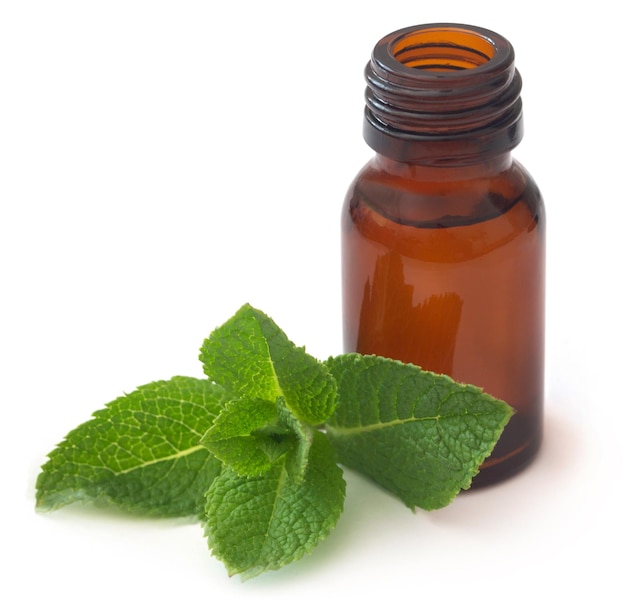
[443, 94]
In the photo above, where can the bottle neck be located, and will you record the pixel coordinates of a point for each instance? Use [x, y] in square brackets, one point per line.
[424, 172]
[443, 95]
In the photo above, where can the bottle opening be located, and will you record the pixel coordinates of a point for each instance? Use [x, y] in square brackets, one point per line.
[443, 50]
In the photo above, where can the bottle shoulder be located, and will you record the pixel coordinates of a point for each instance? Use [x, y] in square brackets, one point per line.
[443, 197]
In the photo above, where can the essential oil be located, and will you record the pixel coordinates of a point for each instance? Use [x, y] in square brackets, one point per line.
[443, 232]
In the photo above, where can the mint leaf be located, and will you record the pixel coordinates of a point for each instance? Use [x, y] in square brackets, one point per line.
[250, 434]
[253, 358]
[142, 452]
[420, 435]
[247, 437]
[263, 523]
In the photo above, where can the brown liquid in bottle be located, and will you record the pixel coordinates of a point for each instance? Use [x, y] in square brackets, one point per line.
[443, 232]
[450, 275]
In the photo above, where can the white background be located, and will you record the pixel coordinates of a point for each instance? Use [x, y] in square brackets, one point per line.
[161, 163]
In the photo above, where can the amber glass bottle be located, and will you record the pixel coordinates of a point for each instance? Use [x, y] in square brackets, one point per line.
[443, 232]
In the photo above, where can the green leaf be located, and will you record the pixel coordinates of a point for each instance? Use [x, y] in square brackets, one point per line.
[142, 452]
[420, 435]
[249, 435]
[245, 436]
[263, 523]
[253, 358]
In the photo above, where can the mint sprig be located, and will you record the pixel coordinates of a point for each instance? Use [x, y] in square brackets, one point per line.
[253, 449]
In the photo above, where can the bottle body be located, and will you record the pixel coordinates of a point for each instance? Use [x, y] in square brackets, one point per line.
[444, 267]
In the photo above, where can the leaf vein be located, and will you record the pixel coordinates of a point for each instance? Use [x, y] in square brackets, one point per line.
[166, 458]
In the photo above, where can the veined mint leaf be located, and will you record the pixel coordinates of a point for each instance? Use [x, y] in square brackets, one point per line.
[141, 452]
[420, 435]
[253, 358]
[246, 436]
[263, 523]
[250, 434]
